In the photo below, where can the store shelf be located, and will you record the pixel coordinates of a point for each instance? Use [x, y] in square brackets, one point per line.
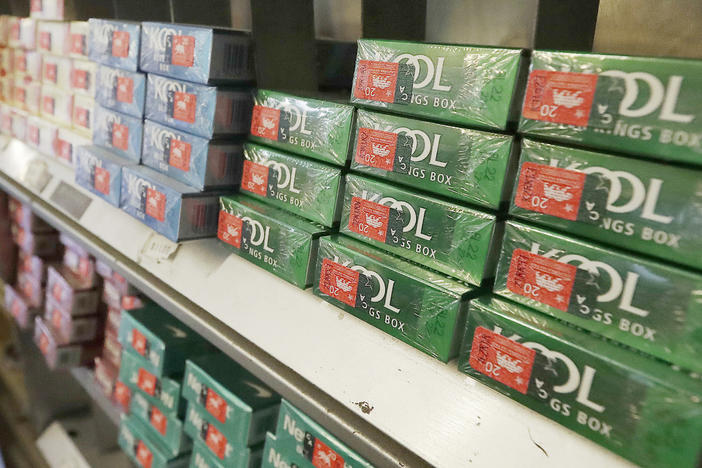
[377, 394]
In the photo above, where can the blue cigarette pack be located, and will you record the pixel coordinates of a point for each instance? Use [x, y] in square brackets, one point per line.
[196, 161]
[169, 207]
[194, 53]
[206, 111]
[121, 90]
[118, 132]
[114, 43]
[100, 171]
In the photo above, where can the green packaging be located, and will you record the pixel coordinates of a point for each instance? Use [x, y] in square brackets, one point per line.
[164, 427]
[272, 455]
[310, 127]
[305, 443]
[162, 392]
[199, 426]
[654, 209]
[143, 450]
[163, 341]
[639, 105]
[418, 306]
[637, 407]
[646, 305]
[241, 406]
[277, 241]
[306, 188]
[467, 165]
[202, 457]
[441, 235]
[472, 86]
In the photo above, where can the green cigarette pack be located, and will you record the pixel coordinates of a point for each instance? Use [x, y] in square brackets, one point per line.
[162, 392]
[415, 305]
[163, 341]
[143, 450]
[275, 240]
[635, 406]
[446, 237]
[646, 305]
[273, 457]
[241, 406]
[467, 165]
[465, 85]
[202, 457]
[200, 427]
[651, 208]
[307, 444]
[310, 127]
[646, 106]
[164, 427]
[301, 186]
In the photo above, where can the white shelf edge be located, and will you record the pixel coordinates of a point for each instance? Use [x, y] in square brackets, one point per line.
[424, 412]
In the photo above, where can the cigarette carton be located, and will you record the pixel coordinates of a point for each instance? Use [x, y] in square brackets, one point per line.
[68, 329]
[229, 397]
[69, 293]
[310, 127]
[83, 114]
[446, 237]
[31, 289]
[143, 449]
[41, 135]
[467, 165]
[202, 110]
[106, 376]
[26, 96]
[278, 242]
[639, 408]
[53, 37]
[163, 392]
[121, 90]
[169, 207]
[48, 9]
[19, 124]
[307, 443]
[114, 43]
[4, 29]
[100, 172]
[307, 188]
[203, 457]
[79, 39]
[192, 160]
[639, 105]
[122, 395]
[199, 426]
[120, 133]
[197, 54]
[27, 64]
[422, 308]
[84, 78]
[650, 208]
[472, 86]
[67, 143]
[56, 104]
[161, 340]
[57, 71]
[111, 349]
[59, 356]
[34, 265]
[166, 428]
[646, 305]
[23, 33]
[17, 306]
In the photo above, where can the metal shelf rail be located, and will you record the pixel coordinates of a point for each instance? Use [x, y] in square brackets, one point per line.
[388, 401]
